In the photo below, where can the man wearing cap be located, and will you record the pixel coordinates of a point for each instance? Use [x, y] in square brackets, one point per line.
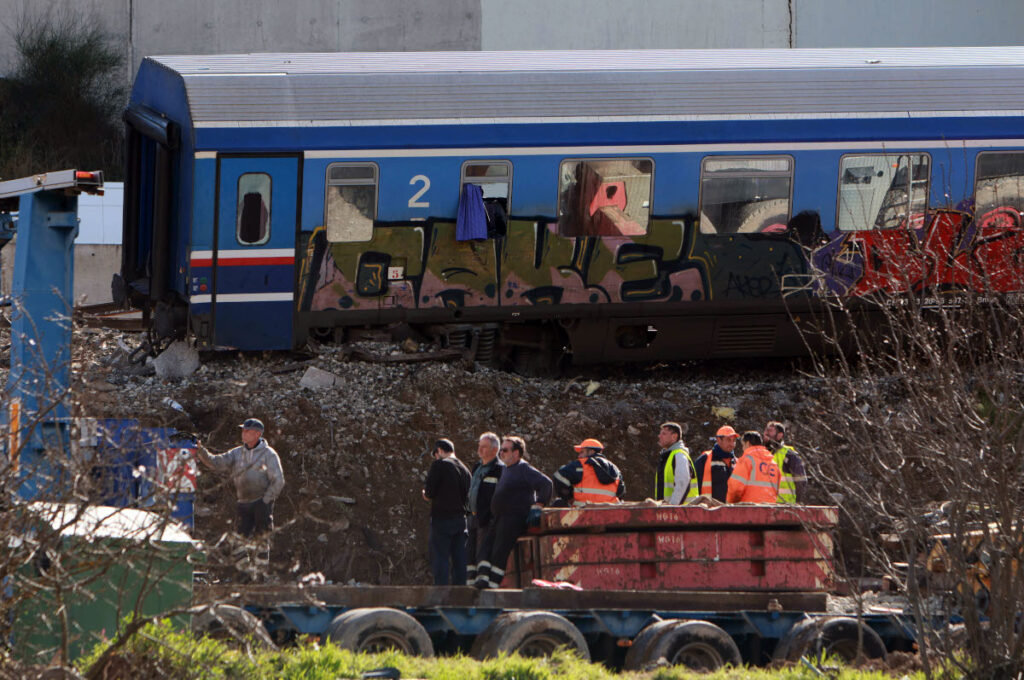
[591, 478]
[447, 488]
[714, 467]
[794, 475]
[256, 471]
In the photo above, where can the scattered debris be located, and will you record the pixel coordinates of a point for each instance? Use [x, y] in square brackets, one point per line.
[363, 438]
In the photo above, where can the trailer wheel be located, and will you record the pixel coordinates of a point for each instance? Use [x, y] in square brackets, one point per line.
[530, 634]
[636, 656]
[225, 621]
[835, 636]
[379, 629]
[697, 645]
[795, 643]
[838, 637]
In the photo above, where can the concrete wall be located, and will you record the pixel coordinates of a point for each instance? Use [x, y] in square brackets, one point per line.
[911, 23]
[633, 24]
[144, 27]
[95, 265]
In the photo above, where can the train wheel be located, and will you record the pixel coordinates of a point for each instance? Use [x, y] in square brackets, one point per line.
[530, 634]
[225, 621]
[697, 645]
[636, 657]
[379, 629]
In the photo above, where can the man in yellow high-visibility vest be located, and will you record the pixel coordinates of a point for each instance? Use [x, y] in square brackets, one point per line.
[794, 475]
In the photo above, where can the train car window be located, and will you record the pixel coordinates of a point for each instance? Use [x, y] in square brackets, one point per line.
[745, 194]
[999, 182]
[351, 204]
[495, 181]
[879, 191]
[605, 197]
[253, 213]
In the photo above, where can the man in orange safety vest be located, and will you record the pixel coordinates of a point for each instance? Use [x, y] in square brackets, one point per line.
[755, 477]
[591, 478]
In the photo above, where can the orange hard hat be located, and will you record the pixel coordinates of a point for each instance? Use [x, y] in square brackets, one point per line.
[589, 444]
[727, 431]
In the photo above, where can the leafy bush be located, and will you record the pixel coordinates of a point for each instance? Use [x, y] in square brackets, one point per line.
[62, 99]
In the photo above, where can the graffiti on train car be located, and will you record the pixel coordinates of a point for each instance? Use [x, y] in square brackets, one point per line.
[948, 251]
[422, 265]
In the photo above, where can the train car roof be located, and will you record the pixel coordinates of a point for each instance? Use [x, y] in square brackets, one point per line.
[313, 89]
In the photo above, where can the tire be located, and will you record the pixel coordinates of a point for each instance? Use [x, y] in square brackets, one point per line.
[637, 654]
[529, 634]
[697, 645]
[378, 629]
[225, 621]
[835, 636]
[758, 216]
[838, 637]
[796, 642]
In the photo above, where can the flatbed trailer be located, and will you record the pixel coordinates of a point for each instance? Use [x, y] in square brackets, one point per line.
[623, 629]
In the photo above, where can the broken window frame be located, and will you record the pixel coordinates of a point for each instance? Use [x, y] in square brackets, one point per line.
[978, 160]
[372, 181]
[481, 180]
[562, 193]
[741, 172]
[871, 224]
[265, 193]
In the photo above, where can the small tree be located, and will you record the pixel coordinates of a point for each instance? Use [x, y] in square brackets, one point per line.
[62, 99]
[920, 424]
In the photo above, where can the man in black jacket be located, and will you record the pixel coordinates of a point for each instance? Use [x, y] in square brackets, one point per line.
[447, 488]
[520, 488]
[484, 480]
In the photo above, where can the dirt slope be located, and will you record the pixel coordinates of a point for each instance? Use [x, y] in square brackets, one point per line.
[354, 455]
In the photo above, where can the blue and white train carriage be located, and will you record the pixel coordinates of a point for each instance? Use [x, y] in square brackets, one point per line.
[621, 205]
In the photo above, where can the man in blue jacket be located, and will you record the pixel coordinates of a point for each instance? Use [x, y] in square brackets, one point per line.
[520, 488]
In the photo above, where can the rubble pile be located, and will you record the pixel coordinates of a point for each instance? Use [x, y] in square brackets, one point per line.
[354, 449]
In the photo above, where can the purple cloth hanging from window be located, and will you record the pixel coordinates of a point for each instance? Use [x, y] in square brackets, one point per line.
[472, 220]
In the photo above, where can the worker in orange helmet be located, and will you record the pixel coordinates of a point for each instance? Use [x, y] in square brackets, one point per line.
[591, 478]
[713, 468]
[756, 477]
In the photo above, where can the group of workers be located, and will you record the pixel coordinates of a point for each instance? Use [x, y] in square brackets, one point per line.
[478, 514]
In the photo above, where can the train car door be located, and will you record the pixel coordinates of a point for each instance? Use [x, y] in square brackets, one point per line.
[254, 257]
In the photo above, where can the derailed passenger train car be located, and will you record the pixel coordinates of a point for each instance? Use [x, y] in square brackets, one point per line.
[619, 205]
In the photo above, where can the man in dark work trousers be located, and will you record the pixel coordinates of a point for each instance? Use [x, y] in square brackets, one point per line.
[447, 488]
[520, 488]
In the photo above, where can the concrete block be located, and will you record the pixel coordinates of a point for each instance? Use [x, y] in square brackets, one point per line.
[318, 379]
[179, 360]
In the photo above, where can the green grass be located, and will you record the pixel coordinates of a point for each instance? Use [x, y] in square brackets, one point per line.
[161, 651]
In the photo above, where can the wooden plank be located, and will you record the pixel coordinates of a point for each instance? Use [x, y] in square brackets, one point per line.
[646, 515]
[270, 596]
[657, 546]
[743, 575]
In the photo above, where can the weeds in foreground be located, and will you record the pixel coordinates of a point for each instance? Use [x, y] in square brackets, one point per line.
[161, 651]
